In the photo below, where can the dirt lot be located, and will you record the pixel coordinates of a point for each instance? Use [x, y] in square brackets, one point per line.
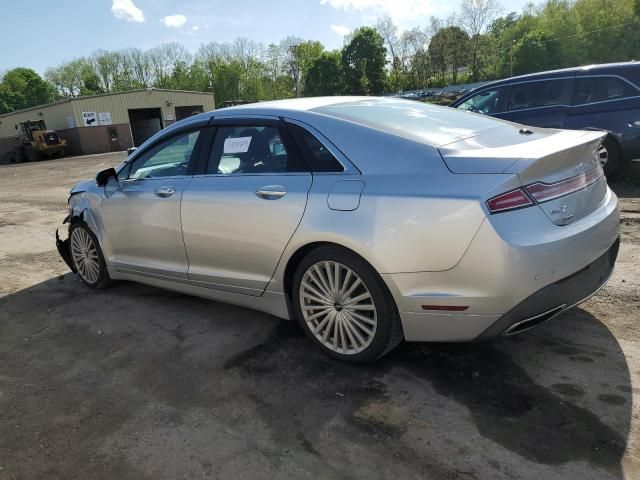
[134, 382]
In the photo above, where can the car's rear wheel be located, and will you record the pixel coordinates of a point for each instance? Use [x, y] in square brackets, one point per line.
[344, 306]
[87, 256]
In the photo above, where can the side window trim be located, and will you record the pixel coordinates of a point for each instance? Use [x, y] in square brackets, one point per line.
[153, 148]
[348, 167]
[233, 120]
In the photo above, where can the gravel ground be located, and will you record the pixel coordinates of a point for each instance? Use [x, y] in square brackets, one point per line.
[135, 382]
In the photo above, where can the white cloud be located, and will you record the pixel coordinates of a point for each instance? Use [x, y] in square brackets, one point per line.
[195, 28]
[127, 11]
[341, 30]
[399, 10]
[174, 21]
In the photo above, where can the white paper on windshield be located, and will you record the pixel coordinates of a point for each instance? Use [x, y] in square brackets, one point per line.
[237, 145]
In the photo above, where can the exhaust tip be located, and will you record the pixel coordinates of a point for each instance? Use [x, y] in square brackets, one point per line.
[534, 321]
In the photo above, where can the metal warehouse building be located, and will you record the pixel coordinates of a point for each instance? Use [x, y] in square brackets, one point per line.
[109, 122]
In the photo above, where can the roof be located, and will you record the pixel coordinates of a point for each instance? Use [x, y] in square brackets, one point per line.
[75, 99]
[292, 104]
[560, 71]
[422, 122]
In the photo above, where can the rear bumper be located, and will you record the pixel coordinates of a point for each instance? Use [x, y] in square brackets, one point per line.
[556, 298]
[512, 257]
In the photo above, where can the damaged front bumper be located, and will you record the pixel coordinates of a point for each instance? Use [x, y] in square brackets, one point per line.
[63, 248]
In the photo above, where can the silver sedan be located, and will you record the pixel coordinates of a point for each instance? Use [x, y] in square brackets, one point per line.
[368, 220]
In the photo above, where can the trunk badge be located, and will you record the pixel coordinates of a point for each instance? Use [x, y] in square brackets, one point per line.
[558, 211]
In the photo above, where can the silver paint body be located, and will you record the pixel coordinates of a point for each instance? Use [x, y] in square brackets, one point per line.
[412, 206]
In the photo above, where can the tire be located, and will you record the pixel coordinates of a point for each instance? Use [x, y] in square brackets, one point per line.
[21, 154]
[610, 163]
[362, 324]
[31, 154]
[87, 257]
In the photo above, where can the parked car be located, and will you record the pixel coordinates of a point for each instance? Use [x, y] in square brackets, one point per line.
[368, 220]
[597, 97]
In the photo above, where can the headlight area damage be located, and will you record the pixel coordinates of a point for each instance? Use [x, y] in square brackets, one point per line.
[63, 247]
[76, 210]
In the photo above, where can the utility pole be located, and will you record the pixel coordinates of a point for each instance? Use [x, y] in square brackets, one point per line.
[295, 67]
[513, 42]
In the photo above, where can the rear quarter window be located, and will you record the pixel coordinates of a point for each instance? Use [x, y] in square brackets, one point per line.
[601, 89]
[318, 156]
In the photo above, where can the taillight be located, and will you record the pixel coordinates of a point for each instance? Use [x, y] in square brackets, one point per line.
[543, 192]
[509, 201]
[540, 192]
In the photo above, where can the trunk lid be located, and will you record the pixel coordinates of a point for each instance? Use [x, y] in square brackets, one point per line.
[559, 169]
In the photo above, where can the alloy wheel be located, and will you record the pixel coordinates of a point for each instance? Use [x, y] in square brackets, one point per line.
[338, 307]
[85, 255]
[603, 155]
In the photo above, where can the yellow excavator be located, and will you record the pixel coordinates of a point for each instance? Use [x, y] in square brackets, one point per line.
[36, 142]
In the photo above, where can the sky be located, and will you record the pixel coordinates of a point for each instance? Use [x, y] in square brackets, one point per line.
[75, 28]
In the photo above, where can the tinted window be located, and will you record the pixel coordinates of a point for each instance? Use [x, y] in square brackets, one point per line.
[252, 149]
[487, 102]
[169, 159]
[320, 159]
[601, 89]
[545, 93]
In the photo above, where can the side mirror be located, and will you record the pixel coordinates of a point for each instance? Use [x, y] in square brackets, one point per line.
[102, 178]
[112, 186]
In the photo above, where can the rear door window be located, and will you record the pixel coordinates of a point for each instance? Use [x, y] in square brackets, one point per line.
[253, 149]
[601, 89]
[544, 93]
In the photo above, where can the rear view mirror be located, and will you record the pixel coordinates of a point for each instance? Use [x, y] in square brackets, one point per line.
[102, 178]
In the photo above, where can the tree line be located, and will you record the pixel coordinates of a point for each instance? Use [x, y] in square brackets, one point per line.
[479, 42]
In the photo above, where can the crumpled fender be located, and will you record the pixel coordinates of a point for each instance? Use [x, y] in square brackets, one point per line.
[79, 211]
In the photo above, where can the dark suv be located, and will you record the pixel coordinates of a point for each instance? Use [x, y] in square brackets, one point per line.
[597, 97]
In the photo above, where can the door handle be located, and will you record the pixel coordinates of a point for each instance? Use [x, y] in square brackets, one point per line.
[271, 192]
[164, 192]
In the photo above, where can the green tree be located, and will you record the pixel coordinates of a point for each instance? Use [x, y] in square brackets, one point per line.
[598, 37]
[324, 75]
[363, 63]
[535, 52]
[437, 54]
[7, 99]
[456, 50]
[476, 16]
[24, 88]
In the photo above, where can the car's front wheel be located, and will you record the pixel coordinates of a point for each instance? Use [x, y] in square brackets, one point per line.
[344, 306]
[87, 256]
